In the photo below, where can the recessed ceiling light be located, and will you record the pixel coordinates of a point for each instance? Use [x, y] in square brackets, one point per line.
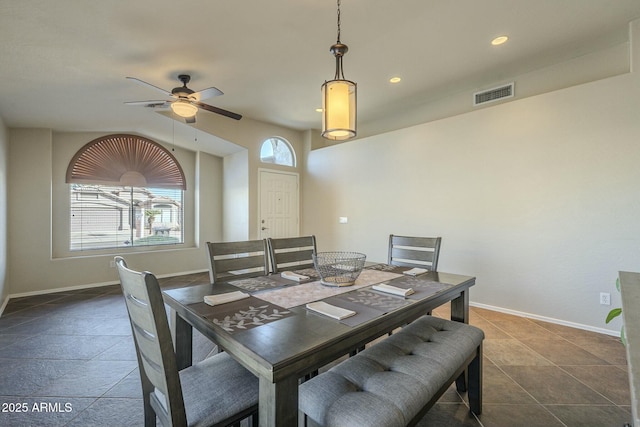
[395, 79]
[499, 40]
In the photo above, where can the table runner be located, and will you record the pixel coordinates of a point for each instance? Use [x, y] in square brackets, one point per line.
[314, 291]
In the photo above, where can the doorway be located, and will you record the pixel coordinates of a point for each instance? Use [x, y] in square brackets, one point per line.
[279, 204]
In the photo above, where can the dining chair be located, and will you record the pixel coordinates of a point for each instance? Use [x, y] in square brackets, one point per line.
[215, 392]
[291, 252]
[421, 252]
[237, 260]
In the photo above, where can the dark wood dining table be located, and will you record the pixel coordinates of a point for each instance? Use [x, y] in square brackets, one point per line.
[287, 343]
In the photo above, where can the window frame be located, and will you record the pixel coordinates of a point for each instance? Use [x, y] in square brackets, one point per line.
[132, 226]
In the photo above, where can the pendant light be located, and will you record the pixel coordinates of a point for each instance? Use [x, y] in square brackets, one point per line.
[339, 99]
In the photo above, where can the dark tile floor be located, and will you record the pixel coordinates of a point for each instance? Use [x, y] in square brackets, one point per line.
[67, 359]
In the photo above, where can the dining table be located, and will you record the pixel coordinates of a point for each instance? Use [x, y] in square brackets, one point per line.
[272, 332]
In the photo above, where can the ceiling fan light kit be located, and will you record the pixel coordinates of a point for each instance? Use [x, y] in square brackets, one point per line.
[339, 98]
[184, 108]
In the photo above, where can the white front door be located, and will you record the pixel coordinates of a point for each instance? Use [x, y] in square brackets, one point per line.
[279, 208]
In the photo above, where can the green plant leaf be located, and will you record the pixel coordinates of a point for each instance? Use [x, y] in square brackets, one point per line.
[613, 314]
[618, 284]
[623, 338]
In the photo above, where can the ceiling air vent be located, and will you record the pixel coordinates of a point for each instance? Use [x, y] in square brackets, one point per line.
[494, 94]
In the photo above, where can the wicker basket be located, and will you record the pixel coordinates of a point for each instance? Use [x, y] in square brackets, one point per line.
[339, 268]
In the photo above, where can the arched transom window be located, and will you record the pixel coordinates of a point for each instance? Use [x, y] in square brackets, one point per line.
[278, 151]
[126, 160]
[126, 191]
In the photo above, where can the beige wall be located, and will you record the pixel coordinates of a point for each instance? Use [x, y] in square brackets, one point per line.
[221, 197]
[251, 134]
[3, 214]
[536, 197]
[38, 214]
[236, 197]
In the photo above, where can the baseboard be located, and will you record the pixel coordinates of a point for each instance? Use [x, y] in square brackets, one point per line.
[546, 319]
[66, 288]
[89, 286]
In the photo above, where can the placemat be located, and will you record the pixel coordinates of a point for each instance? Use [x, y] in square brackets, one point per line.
[387, 267]
[378, 300]
[367, 304]
[311, 272]
[422, 286]
[257, 284]
[363, 313]
[242, 314]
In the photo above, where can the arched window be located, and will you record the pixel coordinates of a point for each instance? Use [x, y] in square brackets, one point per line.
[278, 151]
[126, 160]
[126, 191]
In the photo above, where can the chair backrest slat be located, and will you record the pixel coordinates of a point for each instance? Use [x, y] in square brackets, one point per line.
[237, 259]
[291, 253]
[409, 251]
[424, 256]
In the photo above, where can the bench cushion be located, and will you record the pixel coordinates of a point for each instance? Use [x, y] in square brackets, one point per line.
[390, 382]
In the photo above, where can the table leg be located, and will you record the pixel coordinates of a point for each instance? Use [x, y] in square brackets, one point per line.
[460, 313]
[278, 405]
[460, 307]
[182, 334]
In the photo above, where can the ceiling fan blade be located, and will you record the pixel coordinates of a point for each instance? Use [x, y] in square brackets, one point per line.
[190, 119]
[156, 103]
[150, 85]
[206, 94]
[218, 110]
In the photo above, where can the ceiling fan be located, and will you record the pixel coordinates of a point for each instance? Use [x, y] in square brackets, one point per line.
[186, 102]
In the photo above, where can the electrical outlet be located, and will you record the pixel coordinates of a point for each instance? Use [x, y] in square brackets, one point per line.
[605, 298]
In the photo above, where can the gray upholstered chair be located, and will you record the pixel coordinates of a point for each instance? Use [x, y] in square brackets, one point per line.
[407, 251]
[215, 392]
[237, 260]
[291, 253]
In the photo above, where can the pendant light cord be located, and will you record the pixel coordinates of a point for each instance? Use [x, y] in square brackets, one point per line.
[339, 50]
[338, 41]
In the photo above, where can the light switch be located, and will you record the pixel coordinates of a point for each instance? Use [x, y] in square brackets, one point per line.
[343, 220]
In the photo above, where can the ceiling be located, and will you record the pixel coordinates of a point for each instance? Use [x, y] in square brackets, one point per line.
[64, 62]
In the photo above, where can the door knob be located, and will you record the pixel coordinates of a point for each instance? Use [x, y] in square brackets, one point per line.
[265, 228]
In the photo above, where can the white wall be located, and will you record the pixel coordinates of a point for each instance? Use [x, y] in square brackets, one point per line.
[3, 214]
[38, 214]
[538, 198]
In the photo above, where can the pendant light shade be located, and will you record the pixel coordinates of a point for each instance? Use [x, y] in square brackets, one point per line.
[339, 109]
[339, 99]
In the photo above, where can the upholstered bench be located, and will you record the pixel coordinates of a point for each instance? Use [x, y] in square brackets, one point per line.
[396, 381]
